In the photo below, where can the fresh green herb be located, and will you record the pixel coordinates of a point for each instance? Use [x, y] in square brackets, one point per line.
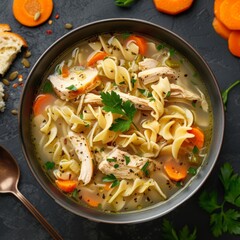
[144, 168]
[86, 124]
[226, 92]
[145, 92]
[75, 193]
[192, 171]
[194, 103]
[111, 159]
[111, 178]
[124, 3]
[127, 158]
[195, 150]
[160, 47]
[81, 116]
[47, 87]
[121, 83]
[72, 88]
[113, 103]
[133, 82]
[222, 220]
[179, 184]
[169, 233]
[172, 52]
[126, 35]
[102, 149]
[152, 99]
[168, 94]
[58, 69]
[49, 165]
[116, 165]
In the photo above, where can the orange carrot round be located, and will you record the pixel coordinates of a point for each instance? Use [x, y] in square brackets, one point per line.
[98, 56]
[230, 14]
[175, 170]
[41, 102]
[172, 7]
[65, 71]
[198, 139]
[32, 13]
[220, 28]
[140, 42]
[66, 185]
[91, 201]
[234, 43]
[217, 5]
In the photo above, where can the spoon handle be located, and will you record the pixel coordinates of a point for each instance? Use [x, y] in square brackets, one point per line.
[38, 215]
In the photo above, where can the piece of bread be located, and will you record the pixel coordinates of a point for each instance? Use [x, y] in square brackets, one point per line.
[10, 44]
[4, 27]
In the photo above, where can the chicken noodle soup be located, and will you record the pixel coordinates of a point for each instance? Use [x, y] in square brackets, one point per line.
[122, 122]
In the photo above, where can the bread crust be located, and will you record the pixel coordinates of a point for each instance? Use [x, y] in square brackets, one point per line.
[16, 36]
[4, 27]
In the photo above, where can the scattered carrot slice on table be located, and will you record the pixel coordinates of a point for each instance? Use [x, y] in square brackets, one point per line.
[41, 102]
[220, 28]
[140, 42]
[198, 139]
[172, 7]
[175, 170]
[32, 13]
[98, 56]
[66, 185]
[230, 14]
[234, 43]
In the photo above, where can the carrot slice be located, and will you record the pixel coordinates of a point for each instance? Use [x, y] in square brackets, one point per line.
[140, 42]
[217, 5]
[175, 170]
[90, 201]
[230, 14]
[32, 13]
[41, 102]
[198, 139]
[66, 185]
[234, 43]
[65, 71]
[220, 28]
[98, 56]
[172, 7]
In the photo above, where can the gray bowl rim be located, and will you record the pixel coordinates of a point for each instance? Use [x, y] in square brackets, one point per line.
[155, 211]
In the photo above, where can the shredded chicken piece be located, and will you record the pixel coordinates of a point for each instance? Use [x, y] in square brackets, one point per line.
[179, 92]
[128, 166]
[153, 74]
[140, 103]
[84, 154]
[148, 63]
[75, 84]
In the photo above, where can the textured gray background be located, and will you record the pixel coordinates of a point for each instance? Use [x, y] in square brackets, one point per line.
[195, 27]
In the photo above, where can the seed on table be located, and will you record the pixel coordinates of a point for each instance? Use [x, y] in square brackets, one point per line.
[6, 96]
[13, 75]
[27, 54]
[14, 112]
[25, 63]
[37, 16]
[5, 82]
[68, 26]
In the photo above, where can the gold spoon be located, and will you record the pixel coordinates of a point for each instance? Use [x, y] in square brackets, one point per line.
[9, 177]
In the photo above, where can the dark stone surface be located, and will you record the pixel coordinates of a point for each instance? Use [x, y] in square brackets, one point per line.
[195, 27]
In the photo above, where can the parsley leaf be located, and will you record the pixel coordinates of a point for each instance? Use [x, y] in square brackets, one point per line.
[47, 87]
[113, 103]
[111, 178]
[226, 92]
[144, 168]
[124, 3]
[49, 165]
[221, 220]
[127, 158]
[72, 88]
[169, 233]
[133, 82]
[160, 47]
[111, 159]
[126, 35]
[145, 92]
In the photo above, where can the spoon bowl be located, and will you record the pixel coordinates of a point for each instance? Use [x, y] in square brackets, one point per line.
[9, 178]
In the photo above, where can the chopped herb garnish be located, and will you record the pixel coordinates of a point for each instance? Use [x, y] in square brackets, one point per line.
[145, 92]
[125, 35]
[168, 94]
[133, 82]
[195, 150]
[179, 184]
[121, 83]
[124, 3]
[111, 159]
[113, 103]
[144, 168]
[58, 70]
[102, 149]
[49, 165]
[192, 171]
[116, 165]
[86, 124]
[226, 92]
[47, 87]
[127, 158]
[81, 116]
[75, 193]
[72, 88]
[111, 178]
[152, 99]
[160, 47]
[194, 102]
[172, 52]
